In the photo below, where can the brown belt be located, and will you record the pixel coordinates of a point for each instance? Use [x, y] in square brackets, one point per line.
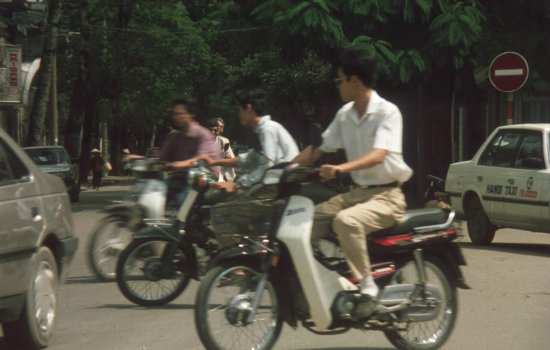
[391, 184]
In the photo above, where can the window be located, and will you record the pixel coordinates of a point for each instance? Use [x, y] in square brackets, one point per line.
[530, 154]
[501, 151]
[48, 156]
[11, 167]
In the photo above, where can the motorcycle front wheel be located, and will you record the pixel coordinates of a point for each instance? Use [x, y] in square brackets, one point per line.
[222, 306]
[428, 335]
[109, 239]
[140, 276]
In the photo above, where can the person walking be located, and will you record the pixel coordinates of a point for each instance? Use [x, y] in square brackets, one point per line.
[215, 126]
[369, 129]
[96, 166]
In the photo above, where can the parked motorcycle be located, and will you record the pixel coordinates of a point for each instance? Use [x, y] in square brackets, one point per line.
[253, 287]
[113, 233]
[166, 253]
[435, 195]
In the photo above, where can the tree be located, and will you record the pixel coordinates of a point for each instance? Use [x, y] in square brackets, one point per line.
[40, 106]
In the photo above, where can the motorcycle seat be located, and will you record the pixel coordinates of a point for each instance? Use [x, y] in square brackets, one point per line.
[411, 219]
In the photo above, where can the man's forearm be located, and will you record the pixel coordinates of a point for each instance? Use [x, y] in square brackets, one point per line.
[308, 156]
[226, 162]
[368, 160]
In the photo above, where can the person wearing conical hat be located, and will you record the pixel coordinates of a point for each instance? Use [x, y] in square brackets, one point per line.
[96, 166]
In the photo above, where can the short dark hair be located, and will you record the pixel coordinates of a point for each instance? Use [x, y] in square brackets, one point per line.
[257, 98]
[361, 63]
[189, 102]
[212, 122]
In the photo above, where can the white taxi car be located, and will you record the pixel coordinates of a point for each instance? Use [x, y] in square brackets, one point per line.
[506, 184]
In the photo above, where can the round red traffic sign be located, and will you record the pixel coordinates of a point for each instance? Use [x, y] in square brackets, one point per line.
[508, 72]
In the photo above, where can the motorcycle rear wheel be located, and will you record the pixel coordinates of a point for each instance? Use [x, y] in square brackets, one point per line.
[109, 239]
[432, 334]
[139, 276]
[223, 303]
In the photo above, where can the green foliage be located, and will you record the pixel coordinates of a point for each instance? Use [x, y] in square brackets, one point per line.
[456, 29]
[209, 49]
[310, 20]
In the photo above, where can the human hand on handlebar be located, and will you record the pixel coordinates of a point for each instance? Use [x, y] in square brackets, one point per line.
[205, 158]
[226, 186]
[328, 172]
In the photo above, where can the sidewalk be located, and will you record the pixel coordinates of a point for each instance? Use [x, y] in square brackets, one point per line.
[110, 183]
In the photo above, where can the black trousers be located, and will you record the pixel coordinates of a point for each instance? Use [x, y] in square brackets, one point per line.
[96, 178]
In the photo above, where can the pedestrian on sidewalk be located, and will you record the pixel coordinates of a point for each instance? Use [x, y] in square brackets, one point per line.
[96, 166]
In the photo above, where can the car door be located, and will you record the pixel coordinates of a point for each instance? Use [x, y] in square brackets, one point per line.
[496, 177]
[20, 220]
[530, 175]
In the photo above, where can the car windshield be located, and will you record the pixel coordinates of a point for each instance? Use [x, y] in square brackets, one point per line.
[48, 156]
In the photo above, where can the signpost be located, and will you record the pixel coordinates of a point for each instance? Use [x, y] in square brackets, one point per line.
[508, 73]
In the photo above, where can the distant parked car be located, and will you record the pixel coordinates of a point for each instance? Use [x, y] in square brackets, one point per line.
[37, 243]
[506, 184]
[55, 160]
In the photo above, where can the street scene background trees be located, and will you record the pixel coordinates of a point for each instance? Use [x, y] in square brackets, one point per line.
[120, 63]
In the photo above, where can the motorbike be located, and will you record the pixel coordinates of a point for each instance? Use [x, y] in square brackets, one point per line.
[113, 233]
[435, 195]
[164, 255]
[255, 286]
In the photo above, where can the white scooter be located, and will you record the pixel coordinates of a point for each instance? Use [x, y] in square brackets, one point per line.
[255, 286]
[147, 201]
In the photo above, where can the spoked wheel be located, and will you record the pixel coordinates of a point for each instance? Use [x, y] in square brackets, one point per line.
[140, 276]
[223, 304]
[428, 334]
[109, 239]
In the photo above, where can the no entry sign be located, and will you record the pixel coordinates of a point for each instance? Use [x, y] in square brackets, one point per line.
[508, 72]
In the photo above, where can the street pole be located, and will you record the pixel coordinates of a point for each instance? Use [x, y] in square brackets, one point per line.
[510, 103]
[53, 102]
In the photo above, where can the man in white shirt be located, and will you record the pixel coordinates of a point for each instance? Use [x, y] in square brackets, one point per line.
[369, 129]
[276, 143]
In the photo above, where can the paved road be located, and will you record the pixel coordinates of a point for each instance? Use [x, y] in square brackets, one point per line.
[508, 306]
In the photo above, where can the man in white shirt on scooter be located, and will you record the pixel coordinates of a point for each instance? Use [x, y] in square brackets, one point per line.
[369, 129]
[276, 145]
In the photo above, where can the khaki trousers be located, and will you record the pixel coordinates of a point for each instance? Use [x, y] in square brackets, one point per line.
[355, 214]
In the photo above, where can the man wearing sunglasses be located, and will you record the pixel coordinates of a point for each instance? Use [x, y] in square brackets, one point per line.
[369, 129]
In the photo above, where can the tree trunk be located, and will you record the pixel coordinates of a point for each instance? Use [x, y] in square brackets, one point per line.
[39, 110]
[89, 95]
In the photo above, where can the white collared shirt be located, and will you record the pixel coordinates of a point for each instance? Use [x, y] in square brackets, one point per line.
[380, 128]
[277, 146]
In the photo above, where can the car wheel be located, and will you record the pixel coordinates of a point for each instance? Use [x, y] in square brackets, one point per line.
[74, 193]
[36, 322]
[480, 229]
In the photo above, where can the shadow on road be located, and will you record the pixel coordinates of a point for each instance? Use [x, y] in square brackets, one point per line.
[4, 345]
[84, 280]
[340, 348]
[137, 307]
[517, 248]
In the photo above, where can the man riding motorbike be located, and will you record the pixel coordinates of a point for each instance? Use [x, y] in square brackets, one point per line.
[369, 129]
